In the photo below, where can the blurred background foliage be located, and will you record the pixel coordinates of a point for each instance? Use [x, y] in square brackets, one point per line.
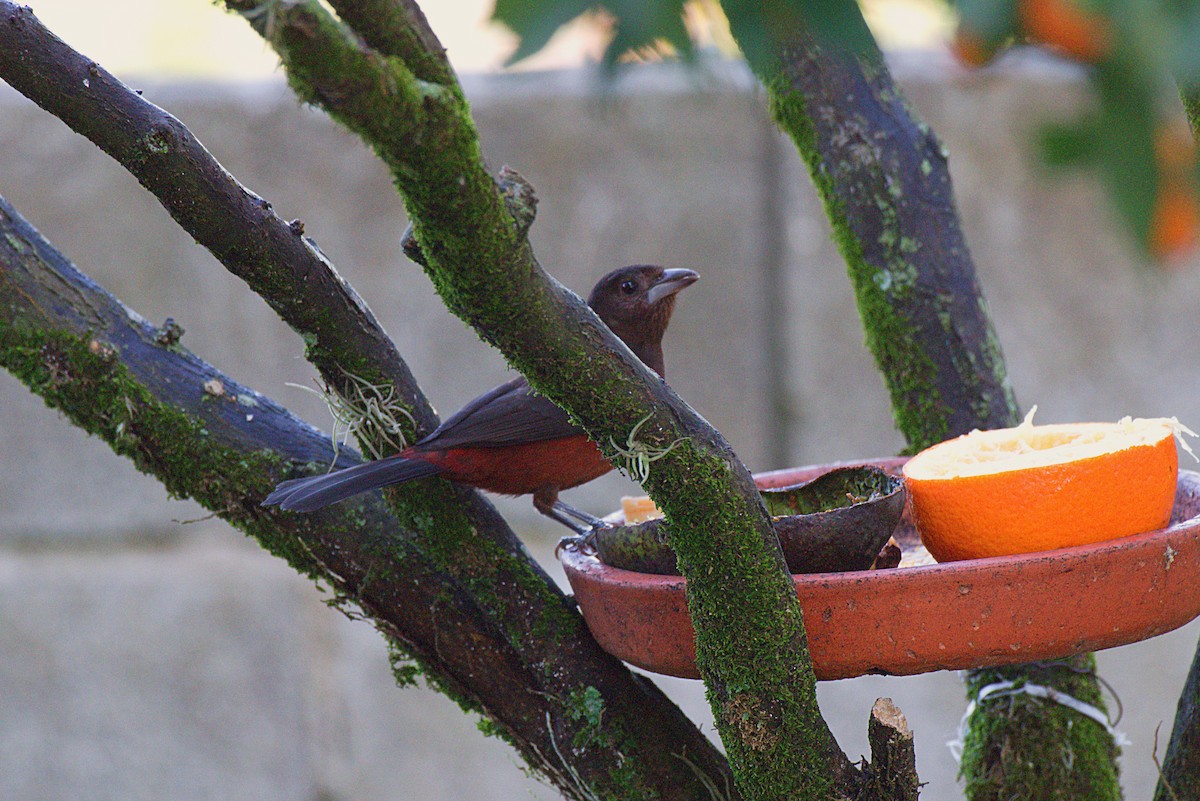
[1140, 55]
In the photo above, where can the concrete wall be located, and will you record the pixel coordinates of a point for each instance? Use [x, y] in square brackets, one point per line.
[146, 655]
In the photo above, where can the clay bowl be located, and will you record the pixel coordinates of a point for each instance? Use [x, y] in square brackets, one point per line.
[907, 620]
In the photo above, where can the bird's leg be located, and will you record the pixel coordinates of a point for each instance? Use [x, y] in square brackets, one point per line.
[546, 501]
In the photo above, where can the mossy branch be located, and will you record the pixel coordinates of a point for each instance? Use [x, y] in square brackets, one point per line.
[452, 526]
[238, 227]
[399, 28]
[1180, 777]
[751, 645]
[883, 177]
[207, 437]
[1020, 746]
[884, 180]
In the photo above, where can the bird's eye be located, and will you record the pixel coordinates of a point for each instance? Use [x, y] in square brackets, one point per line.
[629, 286]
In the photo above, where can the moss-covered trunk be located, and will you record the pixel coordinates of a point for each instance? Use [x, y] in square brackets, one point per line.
[1180, 776]
[882, 175]
[750, 639]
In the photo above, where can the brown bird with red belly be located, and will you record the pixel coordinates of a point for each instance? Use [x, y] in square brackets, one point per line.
[511, 441]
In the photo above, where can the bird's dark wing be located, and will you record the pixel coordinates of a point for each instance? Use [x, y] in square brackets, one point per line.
[510, 414]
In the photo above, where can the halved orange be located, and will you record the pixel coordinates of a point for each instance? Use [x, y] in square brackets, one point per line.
[639, 509]
[1040, 487]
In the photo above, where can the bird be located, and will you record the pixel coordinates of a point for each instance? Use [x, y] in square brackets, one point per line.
[510, 440]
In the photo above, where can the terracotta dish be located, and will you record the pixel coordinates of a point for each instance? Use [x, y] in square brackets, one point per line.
[908, 620]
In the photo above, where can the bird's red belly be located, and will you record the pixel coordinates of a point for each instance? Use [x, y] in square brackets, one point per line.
[522, 469]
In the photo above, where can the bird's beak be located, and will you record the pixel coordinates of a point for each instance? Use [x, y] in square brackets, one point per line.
[670, 282]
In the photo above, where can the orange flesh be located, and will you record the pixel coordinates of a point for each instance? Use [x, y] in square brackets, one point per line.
[1035, 488]
[638, 509]
[1029, 446]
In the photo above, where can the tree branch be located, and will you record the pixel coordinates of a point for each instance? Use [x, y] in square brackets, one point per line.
[893, 768]
[206, 437]
[452, 525]
[751, 645]
[1180, 774]
[399, 28]
[238, 227]
[1022, 746]
[884, 180]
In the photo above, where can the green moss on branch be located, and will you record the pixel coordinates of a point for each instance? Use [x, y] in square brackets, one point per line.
[82, 350]
[1076, 755]
[883, 179]
[476, 255]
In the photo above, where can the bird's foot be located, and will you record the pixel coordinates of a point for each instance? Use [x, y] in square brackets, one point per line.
[578, 521]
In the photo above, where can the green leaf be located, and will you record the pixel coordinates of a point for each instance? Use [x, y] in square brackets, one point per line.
[642, 25]
[764, 27]
[1069, 144]
[536, 21]
[748, 21]
[1125, 137]
[993, 21]
[985, 26]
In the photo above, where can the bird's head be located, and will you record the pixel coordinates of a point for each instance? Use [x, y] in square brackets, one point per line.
[636, 304]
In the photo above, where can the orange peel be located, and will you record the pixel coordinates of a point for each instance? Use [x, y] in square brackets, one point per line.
[1040, 487]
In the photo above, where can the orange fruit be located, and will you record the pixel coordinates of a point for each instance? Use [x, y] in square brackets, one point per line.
[970, 49]
[638, 509]
[1175, 224]
[1035, 488]
[1067, 26]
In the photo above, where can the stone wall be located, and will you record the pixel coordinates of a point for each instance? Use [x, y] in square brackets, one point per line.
[148, 652]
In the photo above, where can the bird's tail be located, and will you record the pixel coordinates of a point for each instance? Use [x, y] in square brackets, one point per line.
[314, 492]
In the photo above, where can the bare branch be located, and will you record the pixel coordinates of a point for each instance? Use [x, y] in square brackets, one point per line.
[238, 227]
[892, 774]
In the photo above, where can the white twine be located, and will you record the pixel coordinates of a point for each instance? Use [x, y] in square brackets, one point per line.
[1001, 689]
